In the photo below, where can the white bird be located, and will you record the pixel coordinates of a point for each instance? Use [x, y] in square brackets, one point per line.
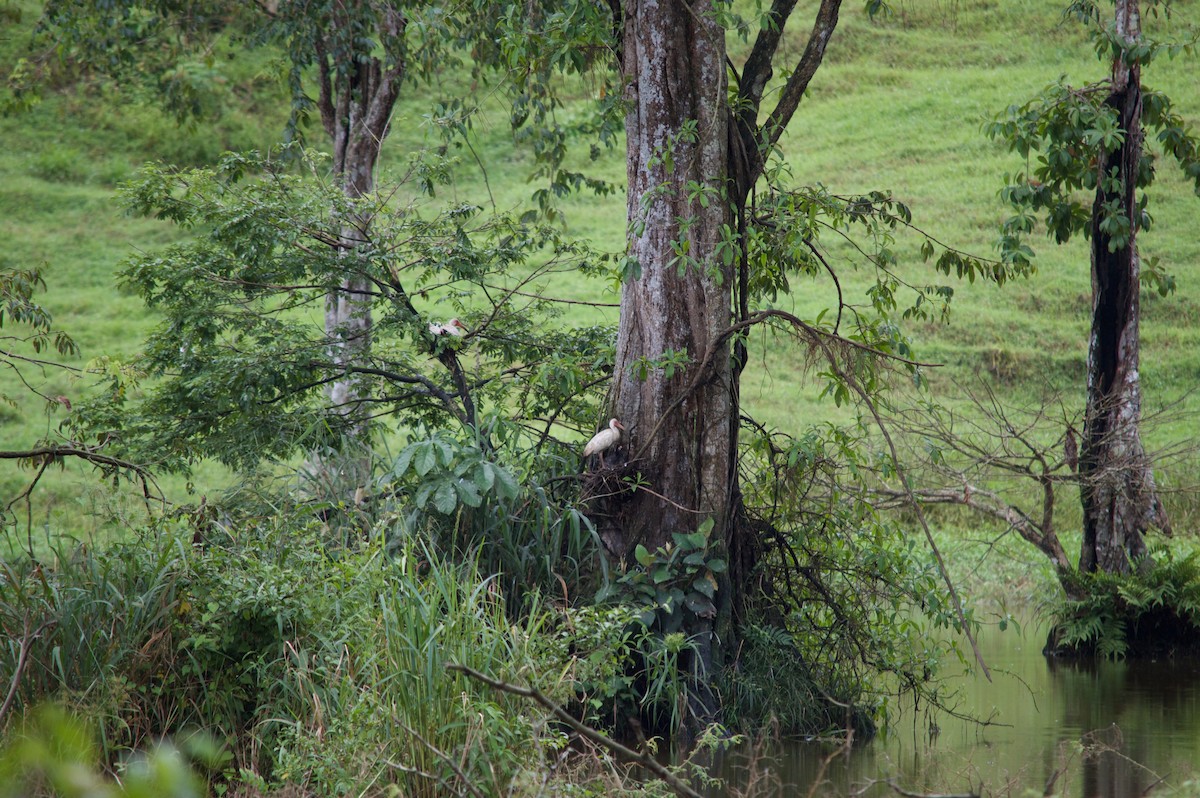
[453, 327]
[604, 439]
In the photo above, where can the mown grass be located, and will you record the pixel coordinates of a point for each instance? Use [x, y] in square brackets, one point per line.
[898, 106]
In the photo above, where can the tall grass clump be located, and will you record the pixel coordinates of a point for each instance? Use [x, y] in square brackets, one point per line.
[396, 721]
[311, 660]
[82, 626]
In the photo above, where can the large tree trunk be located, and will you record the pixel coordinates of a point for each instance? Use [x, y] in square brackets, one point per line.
[1117, 490]
[681, 426]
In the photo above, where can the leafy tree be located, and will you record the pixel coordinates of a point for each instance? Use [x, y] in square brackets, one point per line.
[1091, 139]
[239, 365]
[362, 54]
[714, 235]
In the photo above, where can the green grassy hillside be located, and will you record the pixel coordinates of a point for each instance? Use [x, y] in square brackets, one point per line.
[898, 106]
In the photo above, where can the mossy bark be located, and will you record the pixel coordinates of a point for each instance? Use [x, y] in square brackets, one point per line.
[680, 437]
[1117, 483]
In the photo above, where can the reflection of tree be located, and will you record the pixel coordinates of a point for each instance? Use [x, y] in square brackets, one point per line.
[1117, 720]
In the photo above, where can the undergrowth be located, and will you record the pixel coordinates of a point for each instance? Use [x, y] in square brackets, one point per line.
[1152, 612]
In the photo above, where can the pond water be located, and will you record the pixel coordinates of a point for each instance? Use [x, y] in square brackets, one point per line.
[1093, 730]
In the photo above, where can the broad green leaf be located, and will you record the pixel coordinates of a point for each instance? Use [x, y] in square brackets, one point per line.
[484, 477]
[446, 454]
[424, 459]
[445, 500]
[506, 483]
[467, 493]
[423, 494]
[402, 462]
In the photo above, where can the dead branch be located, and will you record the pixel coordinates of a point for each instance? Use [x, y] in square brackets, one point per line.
[43, 456]
[641, 758]
[974, 455]
[908, 794]
[442, 755]
[27, 638]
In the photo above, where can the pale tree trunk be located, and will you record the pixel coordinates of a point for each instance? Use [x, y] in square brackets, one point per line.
[1117, 484]
[680, 436]
[356, 102]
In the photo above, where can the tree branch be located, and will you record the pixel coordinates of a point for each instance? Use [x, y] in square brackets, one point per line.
[651, 764]
[814, 53]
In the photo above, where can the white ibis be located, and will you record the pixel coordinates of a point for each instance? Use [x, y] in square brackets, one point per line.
[604, 439]
[453, 327]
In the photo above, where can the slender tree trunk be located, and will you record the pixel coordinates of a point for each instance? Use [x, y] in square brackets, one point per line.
[680, 437]
[348, 310]
[356, 102]
[1118, 495]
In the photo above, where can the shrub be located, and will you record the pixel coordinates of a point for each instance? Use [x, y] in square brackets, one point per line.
[1152, 612]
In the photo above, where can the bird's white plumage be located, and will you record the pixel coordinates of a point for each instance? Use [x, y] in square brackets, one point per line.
[604, 439]
[453, 327]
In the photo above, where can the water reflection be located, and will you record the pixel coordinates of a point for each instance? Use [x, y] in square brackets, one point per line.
[1094, 730]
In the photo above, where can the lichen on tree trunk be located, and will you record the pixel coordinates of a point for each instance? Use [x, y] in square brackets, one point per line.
[680, 438]
[1117, 483]
[356, 101]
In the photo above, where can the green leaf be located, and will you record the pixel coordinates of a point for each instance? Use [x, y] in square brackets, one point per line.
[690, 540]
[467, 493]
[424, 459]
[506, 483]
[643, 556]
[445, 500]
[717, 566]
[402, 462]
[423, 494]
[484, 477]
[446, 454]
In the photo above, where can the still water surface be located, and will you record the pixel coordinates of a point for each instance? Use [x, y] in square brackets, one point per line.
[1096, 730]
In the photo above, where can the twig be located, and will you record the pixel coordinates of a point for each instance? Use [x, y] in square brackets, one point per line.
[645, 760]
[27, 639]
[820, 776]
[445, 758]
[902, 473]
[676, 505]
[908, 794]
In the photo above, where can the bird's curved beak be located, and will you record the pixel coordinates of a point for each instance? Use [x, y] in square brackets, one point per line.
[620, 425]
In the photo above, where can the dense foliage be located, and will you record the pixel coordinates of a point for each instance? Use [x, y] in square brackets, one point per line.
[306, 626]
[239, 364]
[1153, 612]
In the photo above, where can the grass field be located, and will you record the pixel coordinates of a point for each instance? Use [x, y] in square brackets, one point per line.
[898, 106]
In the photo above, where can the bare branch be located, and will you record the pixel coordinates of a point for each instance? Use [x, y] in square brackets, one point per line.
[797, 84]
[644, 759]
